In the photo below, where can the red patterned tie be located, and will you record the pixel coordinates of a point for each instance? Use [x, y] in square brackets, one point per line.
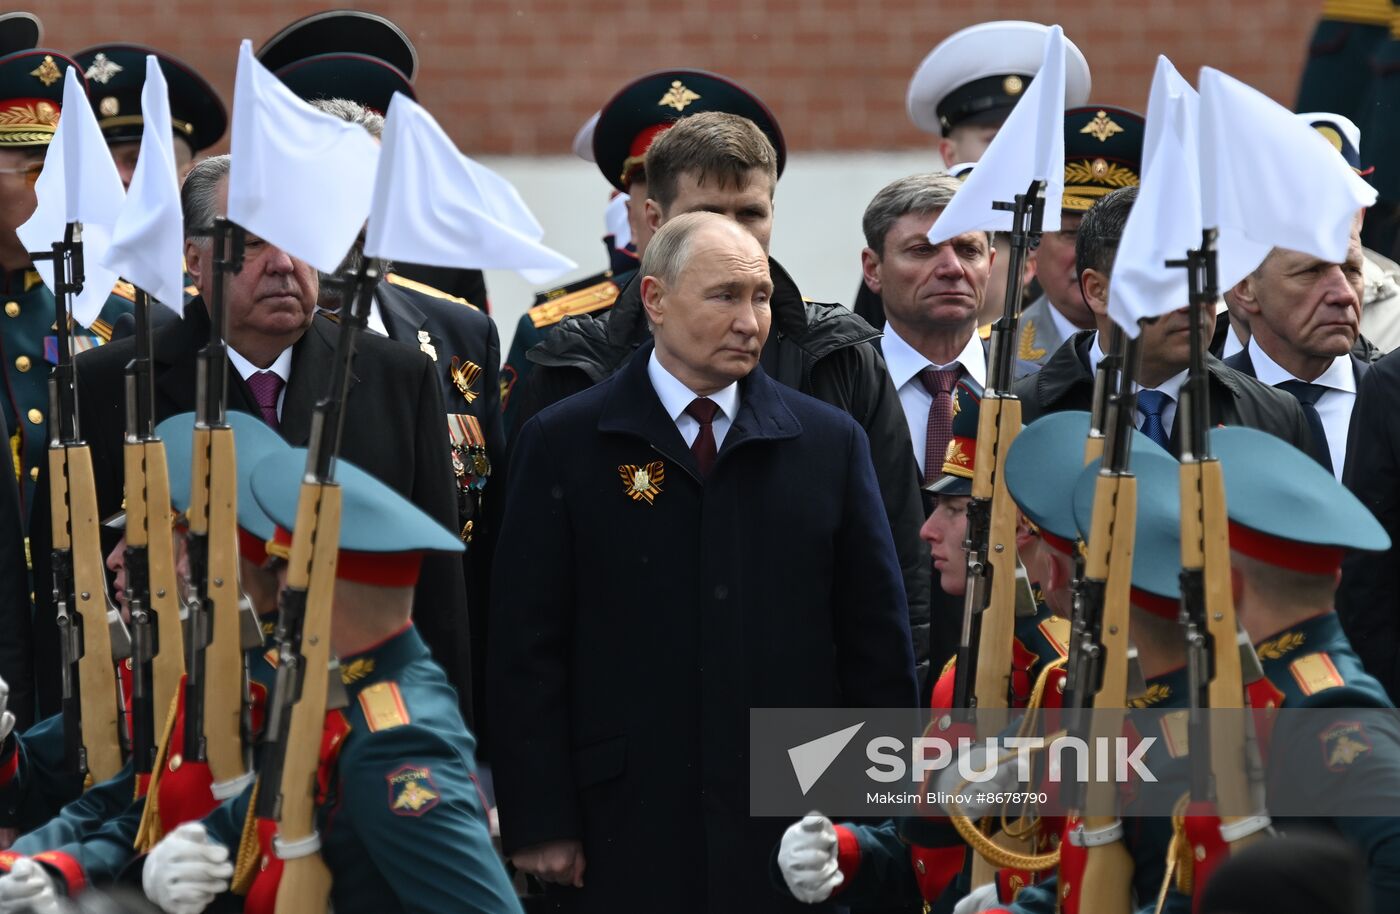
[266, 385]
[939, 382]
[703, 410]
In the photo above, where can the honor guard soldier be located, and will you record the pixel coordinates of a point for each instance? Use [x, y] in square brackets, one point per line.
[1103, 152]
[964, 90]
[31, 94]
[364, 57]
[398, 771]
[625, 129]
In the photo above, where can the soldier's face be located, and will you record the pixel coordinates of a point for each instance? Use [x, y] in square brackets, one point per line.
[711, 322]
[966, 143]
[749, 204]
[637, 216]
[1308, 305]
[945, 531]
[926, 286]
[19, 169]
[1166, 344]
[1054, 265]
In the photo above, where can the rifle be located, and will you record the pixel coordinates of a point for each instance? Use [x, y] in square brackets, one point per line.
[91, 634]
[215, 731]
[1220, 658]
[1100, 677]
[152, 592]
[296, 717]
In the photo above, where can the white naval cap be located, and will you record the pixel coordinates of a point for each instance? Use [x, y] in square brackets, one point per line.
[977, 74]
[583, 140]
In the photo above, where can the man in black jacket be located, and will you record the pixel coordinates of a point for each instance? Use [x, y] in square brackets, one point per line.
[1067, 380]
[722, 163]
[280, 358]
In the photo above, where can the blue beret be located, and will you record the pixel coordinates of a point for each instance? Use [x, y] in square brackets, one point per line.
[252, 440]
[1157, 542]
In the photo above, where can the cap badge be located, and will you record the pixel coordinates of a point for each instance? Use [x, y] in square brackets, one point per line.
[47, 72]
[1331, 134]
[643, 483]
[957, 455]
[464, 375]
[1099, 167]
[103, 69]
[109, 106]
[1012, 85]
[678, 96]
[1101, 127]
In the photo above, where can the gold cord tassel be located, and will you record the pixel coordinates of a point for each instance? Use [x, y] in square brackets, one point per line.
[149, 832]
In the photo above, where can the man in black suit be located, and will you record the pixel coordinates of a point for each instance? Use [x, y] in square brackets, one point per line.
[741, 560]
[1304, 318]
[1067, 379]
[279, 359]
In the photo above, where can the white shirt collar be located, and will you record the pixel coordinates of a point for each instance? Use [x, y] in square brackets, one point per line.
[1063, 325]
[282, 367]
[1338, 375]
[1171, 386]
[905, 362]
[675, 396]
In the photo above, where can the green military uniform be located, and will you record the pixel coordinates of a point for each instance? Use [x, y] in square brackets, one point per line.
[1337, 75]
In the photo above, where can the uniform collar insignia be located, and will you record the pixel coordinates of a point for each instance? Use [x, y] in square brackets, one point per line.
[678, 96]
[1276, 648]
[103, 69]
[1101, 127]
[643, 483]
[356, 670]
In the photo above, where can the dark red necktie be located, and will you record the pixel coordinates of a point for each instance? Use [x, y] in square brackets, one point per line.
[939, 382]
[266, 385]
[703, 410]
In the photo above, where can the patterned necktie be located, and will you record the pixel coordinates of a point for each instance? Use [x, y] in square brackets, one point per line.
[266, 385]
[1308, 395]
[1152, 403]
[939, 382]
[704, 410]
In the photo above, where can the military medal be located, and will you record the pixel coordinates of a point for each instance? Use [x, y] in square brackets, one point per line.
[643, 483]
[464, 375]
[470, 465]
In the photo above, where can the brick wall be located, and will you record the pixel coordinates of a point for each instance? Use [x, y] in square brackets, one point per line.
[520, 76]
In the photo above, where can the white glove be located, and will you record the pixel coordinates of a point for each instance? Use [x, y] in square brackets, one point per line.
[27, 887]
[807, 857]
[7, 720]
[186, 871]
[980, 899]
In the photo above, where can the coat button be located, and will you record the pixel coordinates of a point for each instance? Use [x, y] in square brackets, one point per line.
[34, 473]
[176, 762]
[22, 363]
[36, 417]
[919, 865]
[12, 308]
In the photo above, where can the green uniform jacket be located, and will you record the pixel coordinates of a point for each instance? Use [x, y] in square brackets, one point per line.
[404, 826]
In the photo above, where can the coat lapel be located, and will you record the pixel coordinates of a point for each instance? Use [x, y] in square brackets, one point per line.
[402, 318]
[313, 360]
[176, 349]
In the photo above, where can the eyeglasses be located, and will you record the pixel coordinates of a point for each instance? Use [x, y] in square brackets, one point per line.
[30, 172]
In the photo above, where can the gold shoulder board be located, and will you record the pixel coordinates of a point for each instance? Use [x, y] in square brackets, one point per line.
[426, 289]
[124, 289]
[383, 706]
[1315, 673]
[1056, 631]
[585, 301]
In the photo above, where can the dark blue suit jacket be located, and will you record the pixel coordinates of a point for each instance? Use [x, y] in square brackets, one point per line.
[633, 630]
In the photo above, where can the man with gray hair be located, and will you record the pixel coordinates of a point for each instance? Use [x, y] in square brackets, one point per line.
[714, 542]
[280, 354]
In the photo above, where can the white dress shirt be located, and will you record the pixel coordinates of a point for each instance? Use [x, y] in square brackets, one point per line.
[282, 367]
[375, 321]
[1333, 407]
[675, 397]
[1171, 387]
[1233, 344]
[905, 362]
[1063, 325]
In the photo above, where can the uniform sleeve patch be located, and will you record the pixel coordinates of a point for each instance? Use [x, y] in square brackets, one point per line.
[383, 706]
[412, 791]
[1315, 673]
[1342, 744]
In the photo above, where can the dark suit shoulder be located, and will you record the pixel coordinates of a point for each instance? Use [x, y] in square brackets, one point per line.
[1064, 382]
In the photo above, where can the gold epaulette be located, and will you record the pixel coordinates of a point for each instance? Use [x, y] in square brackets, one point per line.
[984, 332]
[383, 706]
[1056, 631]
[101, 329]
[426, 289]
[584, 301]
[124, 289]
[192, 290]
[1316, 673]
[1366, 12]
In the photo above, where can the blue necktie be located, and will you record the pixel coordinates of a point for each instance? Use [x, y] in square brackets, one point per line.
[1152, 403]
[1308, 395]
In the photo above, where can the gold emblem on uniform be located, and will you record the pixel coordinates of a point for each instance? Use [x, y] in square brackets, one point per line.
[1027, 350]
[1156, 693]
[678, 96]
[1099, 167]
[1331, 135]
[464, 377]
[1275, 648]
[643, 483]
[956, 455]
[47, 72]
[109, 106]
[411, 791]
[1101, 127]
[102, 71]
[1012, 85]
[47, 113]
[1343, 743]
[425, 343]
[356, 670]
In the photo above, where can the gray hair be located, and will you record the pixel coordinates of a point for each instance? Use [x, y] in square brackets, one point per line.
[199, 195]
[352, 112]
[922, 194]
[669, 249]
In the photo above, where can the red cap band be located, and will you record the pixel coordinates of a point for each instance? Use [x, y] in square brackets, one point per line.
[1307, 558]
[1164, 607]
[382, 569]
[1056, 542]
[252, 548]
